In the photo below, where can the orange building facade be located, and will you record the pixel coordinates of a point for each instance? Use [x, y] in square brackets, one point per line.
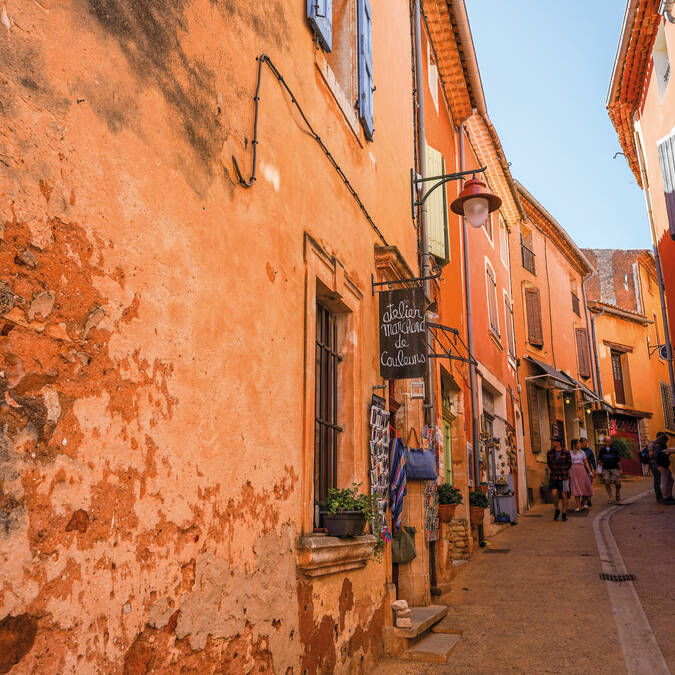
[624, 302]
[641, 105]
[555, 373]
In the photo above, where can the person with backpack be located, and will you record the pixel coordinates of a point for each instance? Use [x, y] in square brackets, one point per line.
[663, 463]
[648, 457]
[609, 459]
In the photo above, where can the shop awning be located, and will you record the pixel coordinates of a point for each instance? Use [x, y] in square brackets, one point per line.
[560, 380]
[585, 391]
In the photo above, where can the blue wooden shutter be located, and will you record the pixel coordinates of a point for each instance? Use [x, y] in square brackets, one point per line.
[366, 68]
[320, 17]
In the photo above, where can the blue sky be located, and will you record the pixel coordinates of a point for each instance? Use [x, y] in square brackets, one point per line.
[545, 68]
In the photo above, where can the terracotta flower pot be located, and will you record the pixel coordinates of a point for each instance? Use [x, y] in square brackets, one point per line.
[483, 488]
[477, 513]
[446, 512]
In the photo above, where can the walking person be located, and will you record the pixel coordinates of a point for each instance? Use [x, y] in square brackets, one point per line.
[559, 463]
[580, 485]
[592, 465]
[608, 460]
[652, 450]
[663, 463]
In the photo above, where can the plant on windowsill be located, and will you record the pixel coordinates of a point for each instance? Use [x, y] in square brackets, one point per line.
[478, 502]
[448, 498]
[345, 511]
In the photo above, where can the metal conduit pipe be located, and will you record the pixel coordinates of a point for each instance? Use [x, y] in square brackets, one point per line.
[425, 266]
[430, 413]
[591, 343]
[469, 329]
[595, 353]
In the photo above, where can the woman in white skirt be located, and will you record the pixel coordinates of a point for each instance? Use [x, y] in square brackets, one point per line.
[580, 484]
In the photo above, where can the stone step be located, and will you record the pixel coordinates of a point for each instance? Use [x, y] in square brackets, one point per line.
[432, 648]
[447, 630]
[422, 618]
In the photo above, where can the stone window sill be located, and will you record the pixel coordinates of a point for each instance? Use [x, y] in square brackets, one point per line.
[319, 554]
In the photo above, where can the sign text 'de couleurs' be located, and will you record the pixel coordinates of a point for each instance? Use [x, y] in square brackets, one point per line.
[403, 344]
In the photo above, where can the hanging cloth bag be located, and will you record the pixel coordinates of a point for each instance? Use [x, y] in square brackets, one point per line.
[420, 464]
[403, 545]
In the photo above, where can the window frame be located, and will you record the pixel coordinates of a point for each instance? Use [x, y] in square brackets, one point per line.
[492, 298]
[510, 328]
[326, 404]
[616, 357]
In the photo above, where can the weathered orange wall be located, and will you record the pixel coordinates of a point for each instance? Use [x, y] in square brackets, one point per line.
[644, 372]
[153, 458]
[655, 120]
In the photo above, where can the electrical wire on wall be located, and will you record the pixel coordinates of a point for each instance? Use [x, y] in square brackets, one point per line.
[264, 59]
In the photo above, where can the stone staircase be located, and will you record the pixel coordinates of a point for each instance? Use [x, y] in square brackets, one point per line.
[425, 641]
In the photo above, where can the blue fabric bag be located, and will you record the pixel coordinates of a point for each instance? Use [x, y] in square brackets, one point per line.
[420, 464]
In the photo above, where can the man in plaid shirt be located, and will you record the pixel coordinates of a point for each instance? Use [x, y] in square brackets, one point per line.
[559, 463]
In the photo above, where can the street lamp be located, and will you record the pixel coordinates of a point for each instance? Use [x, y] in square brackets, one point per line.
[475, 202]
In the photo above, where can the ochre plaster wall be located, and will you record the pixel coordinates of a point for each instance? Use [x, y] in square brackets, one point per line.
[152, 454]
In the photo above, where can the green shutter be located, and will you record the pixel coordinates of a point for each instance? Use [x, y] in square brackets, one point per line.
[437, 208]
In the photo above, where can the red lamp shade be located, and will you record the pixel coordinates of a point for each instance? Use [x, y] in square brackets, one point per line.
[479, 197]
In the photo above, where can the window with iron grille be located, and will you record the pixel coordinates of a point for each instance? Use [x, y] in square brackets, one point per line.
[667, 402]
[326, 428]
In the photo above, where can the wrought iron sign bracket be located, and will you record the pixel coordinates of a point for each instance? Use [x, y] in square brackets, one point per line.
[417, 183]
[449, 350]
[395, 282]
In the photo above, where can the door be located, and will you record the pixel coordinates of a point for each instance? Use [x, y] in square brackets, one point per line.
[617, 373]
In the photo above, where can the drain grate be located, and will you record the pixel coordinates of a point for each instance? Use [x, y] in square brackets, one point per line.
[617, 577]
[497, 550]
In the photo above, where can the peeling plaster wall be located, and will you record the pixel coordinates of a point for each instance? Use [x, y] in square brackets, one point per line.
[150, 453]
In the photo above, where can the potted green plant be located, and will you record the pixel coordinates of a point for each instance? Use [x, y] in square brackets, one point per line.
[478, 502]
[345, 511]
[623, 447]
[448, 498]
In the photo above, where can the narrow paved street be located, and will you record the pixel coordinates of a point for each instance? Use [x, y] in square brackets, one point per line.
[533, 600]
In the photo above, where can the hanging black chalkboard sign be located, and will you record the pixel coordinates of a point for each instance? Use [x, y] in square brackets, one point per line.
[403, 343]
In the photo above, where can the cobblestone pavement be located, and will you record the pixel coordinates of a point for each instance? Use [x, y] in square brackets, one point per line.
[541, 607]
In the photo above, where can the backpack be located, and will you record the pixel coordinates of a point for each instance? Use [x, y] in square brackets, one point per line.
[644, 456]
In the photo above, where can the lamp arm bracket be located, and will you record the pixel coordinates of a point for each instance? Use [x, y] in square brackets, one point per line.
[441, 180]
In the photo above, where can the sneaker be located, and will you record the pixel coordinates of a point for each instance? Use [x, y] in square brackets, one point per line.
[556, 515]
[669, 501]
[564, 517]
[589, 503]
[585, 506]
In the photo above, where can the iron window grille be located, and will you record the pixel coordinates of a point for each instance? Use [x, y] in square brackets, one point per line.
[326, 427]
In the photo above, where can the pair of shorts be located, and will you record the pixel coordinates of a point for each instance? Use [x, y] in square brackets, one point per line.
[611, 475]
[559, 485]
